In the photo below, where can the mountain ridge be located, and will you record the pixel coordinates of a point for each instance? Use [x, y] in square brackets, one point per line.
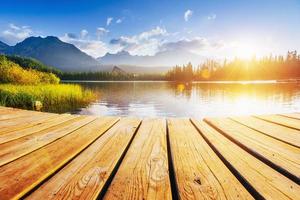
[160, 59]
[53, 52]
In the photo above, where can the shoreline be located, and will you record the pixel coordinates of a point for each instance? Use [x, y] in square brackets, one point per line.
[214, 82]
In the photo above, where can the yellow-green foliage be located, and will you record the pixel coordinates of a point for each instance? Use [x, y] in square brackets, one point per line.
[55, 98]
[11, 72]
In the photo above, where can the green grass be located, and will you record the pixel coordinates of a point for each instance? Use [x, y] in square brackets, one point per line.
[57, 98]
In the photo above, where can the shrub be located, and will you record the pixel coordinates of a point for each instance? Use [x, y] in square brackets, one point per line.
[11, 72]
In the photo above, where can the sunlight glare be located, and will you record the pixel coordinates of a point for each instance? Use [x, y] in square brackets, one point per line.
[246, 49]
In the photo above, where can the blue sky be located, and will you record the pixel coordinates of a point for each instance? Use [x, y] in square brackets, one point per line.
[212, 28]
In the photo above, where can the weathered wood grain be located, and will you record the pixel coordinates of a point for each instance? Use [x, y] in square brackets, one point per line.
[12, 150]
[267, 182]
[19, 177]
[282, 133]
[199, 173]
[28, 120]
[281, 120]
[85, 176]
[292, 115]
[144, 172]
[283, 155]
[52, 156]
[12, 135]
[7, 114]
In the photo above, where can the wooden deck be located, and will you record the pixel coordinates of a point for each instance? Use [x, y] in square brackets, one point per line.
[52, 156]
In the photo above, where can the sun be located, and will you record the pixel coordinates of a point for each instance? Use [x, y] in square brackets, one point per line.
[246, 50]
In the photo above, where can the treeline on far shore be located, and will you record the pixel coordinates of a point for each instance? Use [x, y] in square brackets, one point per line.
[266, 68]
[110, 76]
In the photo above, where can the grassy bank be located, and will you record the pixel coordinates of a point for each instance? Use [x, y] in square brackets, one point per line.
[54, 97]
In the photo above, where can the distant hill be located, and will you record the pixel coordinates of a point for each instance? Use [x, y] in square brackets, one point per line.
[53, 52]
[31, 63]
[142, 69]
[118, 70]
[4, 47]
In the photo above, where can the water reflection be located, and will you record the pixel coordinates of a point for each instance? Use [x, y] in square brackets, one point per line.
[167, 99]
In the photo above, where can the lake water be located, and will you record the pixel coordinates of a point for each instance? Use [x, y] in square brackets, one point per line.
[168, 99]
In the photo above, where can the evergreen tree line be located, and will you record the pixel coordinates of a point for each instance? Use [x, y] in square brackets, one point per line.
[109, 76]
[93, 76]
[266, 68]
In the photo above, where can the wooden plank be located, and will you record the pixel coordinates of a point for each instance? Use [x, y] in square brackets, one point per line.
[14, 113]
[290, 136]
[292, 115]
[264, 181]
[284, 156]
[31, 169]
[12, 135]
[12, 150]
[144, 172]
[199, 173]
[24, 122]
[281, 120]
[85, 176]
[5, 108]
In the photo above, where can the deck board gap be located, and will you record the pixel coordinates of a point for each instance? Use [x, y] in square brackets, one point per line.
[118, 164]
[256, 154]
[278, 123]
[276, 138]
[173, 181]
[66, 163]
[235, 172]
[47, 143]
[289, 116]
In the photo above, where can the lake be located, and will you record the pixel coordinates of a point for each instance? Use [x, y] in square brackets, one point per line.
[169, 99]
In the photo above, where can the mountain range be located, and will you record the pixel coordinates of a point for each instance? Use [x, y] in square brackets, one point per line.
[67, 57]
[163, 58]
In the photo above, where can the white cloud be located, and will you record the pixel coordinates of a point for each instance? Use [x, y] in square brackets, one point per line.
[212, 17]
[187, 15]
[100, 31]
[192, 45]
[83, 33]
[119, 21]
[14, 27]
[145, 43]
[158, 31]
[109, 21]
[15, 34]
[93, 48]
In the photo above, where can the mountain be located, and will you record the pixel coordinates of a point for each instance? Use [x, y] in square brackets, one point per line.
[53, 52]
[4, 47]
[161, 59]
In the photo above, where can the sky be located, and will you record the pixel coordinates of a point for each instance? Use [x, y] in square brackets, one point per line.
[211, 28]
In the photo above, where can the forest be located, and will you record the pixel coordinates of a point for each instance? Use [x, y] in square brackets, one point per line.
[266, 68]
